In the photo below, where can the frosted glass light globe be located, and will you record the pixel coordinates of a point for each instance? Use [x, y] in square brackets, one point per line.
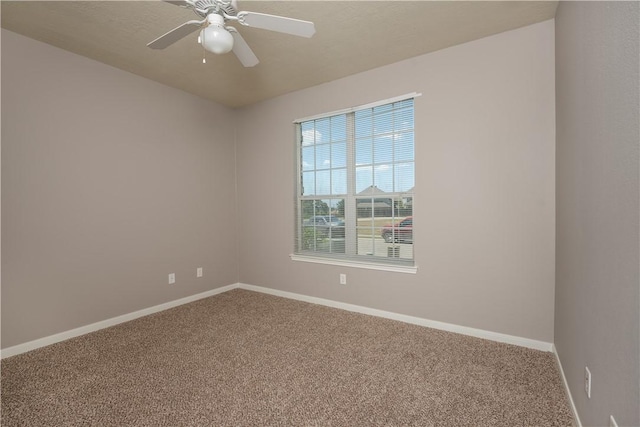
[216, 39]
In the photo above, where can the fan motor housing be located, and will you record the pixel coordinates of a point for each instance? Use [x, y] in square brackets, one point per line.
[204, 7]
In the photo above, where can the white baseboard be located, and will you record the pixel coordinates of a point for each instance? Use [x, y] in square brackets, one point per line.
[479, 333]
[576, 417]
[62, 336]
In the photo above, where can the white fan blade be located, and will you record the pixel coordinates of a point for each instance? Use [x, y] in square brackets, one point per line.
[180, 3]
[242, 49]
[176, 34]
[281, 24]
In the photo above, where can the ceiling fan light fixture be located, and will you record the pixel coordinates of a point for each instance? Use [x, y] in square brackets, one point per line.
[217, 38]
[214, 37]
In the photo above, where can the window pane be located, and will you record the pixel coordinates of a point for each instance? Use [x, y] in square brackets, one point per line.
[404, 149]
[364, 178]
[383, 123]
[323, 153]
[308, 158]
[339, 155]
[383, 108]
[308, 133]
[322, 208]
[339, 181]
[403, 120]
[382, 209]
[307, 207]
[322, 229]
[323, 130]
[381, 225]
[383, 178]
[406, 103]
[365, 227]
[308, 238]
[323, 182]
[308, 183]
[364, 211]
[373, 208]
[364, 152]
[404, 177]
[363, 125]
[383, 149]
[403, 207]
[339, 128]
[366, 112]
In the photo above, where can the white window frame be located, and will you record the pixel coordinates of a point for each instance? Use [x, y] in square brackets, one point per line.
[350, 209]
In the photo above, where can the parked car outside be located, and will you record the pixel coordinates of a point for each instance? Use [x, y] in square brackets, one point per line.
[327, 225]
[400, 232]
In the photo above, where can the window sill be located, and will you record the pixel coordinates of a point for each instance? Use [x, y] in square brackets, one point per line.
[355, 264]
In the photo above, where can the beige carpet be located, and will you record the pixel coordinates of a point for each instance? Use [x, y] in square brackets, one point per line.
[247, 359]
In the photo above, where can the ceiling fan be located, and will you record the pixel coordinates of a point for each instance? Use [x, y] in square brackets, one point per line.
[217, 37]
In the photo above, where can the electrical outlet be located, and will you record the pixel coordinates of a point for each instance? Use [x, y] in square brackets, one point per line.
[612, 421]
[199, 272]
[587, 382]
[343, 279]
[172, 278]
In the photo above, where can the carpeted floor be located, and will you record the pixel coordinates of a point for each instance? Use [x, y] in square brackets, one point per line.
[248, 359]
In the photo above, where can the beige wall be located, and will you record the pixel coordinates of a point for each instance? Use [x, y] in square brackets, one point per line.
[598, 215]
[109, 183]
[485, 209]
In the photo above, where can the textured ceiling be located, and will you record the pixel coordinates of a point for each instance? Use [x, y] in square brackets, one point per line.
[351, 37]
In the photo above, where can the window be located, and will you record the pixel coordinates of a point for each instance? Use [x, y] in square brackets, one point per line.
[355, 183]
